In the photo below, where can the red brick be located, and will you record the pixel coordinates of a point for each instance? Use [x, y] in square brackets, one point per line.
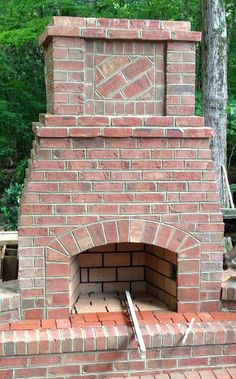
[58, 312]
[50, 132]
[186, 36]
[134, 209]
[181, 67]
[232, 371]
[122, 34]
[52, 120]
[187, 121]
[48, 324]
[141, 64]
[36, 209]
[94, 33]
[148, 316]
[77, 358]
[162, 376]
[83, 238]
[63, 323]
[93, 121]
[188, 280]
[69, 65]
[70, 245]
[12, 362]
[63, 370]
[60, 299]
[113, 23]
[127, 121]
[84, 132]
[144, 24]
[33, 314]
[192, 375]
[110, 85]
[108, 322]
[118, 132]
[155, 35]
[90, 317]
[45, 360]
[206, 374]
[54, 285]
[159, 121]
[4, 327]
[25, 325]
[31, 372]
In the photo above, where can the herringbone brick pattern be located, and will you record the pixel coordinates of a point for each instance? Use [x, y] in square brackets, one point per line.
[125, 77]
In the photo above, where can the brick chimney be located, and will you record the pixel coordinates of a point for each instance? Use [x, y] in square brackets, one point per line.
[119, 159]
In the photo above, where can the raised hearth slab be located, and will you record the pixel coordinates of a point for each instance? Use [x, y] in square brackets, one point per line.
[99, 346]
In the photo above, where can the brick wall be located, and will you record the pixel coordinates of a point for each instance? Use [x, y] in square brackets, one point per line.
[67, 349]
[119, 158]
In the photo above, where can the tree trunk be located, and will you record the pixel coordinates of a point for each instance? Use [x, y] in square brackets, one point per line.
[214, 67]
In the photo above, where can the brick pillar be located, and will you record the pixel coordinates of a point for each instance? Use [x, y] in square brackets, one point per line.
[119, 157]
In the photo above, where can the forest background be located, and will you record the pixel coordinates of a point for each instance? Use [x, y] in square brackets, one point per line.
[22, 88]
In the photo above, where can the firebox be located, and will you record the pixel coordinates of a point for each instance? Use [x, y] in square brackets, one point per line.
[99, 277]
[120, 191]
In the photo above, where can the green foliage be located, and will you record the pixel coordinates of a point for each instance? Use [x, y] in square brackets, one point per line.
[150, 9]
[22, 21]
[9, 205]
[233, 187]
[20, 170]
[231, 111]
[231, 31]
[21, 99]
[231, 130]
[198, 105]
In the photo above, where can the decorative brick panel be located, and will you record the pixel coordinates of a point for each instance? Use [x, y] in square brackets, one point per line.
[119, 158]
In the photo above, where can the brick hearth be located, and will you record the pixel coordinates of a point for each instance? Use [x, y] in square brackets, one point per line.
[102, 346]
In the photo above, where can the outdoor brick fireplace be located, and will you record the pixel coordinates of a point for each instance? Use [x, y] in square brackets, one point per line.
[120, 191]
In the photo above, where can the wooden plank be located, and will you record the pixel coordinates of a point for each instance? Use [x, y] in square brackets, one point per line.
[8, 238]
[227, 186]
[2, 254]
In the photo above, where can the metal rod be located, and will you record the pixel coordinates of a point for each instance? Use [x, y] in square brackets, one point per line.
[227, 186]
[136, 327]
[188, 331]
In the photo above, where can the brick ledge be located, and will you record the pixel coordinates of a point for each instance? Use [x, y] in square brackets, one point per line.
[122, 132]
[57, 120]
[120, 319]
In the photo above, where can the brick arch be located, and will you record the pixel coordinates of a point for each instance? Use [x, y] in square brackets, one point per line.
[67, 245]
[123, 230]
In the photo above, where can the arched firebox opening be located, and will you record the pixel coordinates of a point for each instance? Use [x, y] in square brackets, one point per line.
[99, 277]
